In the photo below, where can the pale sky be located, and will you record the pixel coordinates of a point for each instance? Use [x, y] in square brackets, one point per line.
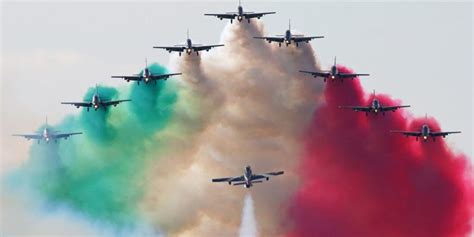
[420, 53]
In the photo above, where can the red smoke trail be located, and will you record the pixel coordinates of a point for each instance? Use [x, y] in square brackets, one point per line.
[360, 180]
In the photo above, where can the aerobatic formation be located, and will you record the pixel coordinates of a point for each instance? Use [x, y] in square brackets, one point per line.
[154, 159]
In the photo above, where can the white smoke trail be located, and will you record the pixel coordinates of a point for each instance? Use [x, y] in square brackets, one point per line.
[248, 226]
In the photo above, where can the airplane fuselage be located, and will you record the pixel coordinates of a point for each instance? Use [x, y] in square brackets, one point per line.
[288, 37]
[333, 72]
[240, 13]
[375, 105]
[146, 75]
[248, 177]
[46, 134]
[189, 46]
[425, 132]
[95, 101]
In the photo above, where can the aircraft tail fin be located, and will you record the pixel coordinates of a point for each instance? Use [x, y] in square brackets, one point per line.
[187, 33]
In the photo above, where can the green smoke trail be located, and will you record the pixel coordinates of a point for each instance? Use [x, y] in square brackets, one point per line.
[101, 173]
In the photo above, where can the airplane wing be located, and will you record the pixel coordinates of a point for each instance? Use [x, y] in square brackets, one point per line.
[29, 136]
[171, 48]
[78, 104]
[407, 133]
[351, 75]
[129, 78]
[223, 16]
[257, 14]
[113, 102]
[163, 76]
[65, 135]
[393, 108]
[229, 179]
[266, 175]
[317, 74]
[271, 39]
[357, 108]
[443, 134]
[305, 38]
[206, 47]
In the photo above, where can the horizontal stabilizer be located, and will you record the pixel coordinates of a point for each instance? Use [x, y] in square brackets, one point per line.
[240, 183]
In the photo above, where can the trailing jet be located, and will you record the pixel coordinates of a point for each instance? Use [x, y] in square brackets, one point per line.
[334, 74]
[289, 38]
[47, 135]
[375, 107]
[248, 179]
[96, 102]
[425, 132]
[188, 48]
[240, 15]
[146, 76]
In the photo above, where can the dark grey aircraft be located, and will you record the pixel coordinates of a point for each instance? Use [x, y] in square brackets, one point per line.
[188, 48]
[240, 14]
[375, 107]
[425, 132]
[96, 102]
[147, 76]
[248, 179]
[289, 38]
[334, 74]
[47, 135]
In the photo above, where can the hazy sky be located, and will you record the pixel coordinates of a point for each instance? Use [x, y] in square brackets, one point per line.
[420, 53]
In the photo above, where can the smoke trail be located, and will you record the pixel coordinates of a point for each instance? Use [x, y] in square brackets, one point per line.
[248, 226]
[255, 106]
[359, 180]
[101, 174]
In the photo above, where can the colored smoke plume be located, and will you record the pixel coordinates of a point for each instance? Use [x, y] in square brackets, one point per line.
[248, 225]
[360, 180]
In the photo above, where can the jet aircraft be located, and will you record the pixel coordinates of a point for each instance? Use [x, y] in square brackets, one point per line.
[240, 15]
[375, 107]
[96, 102]
[288, 38]
[188, 47]
[47, 134]
[248, 179]
[334, 74]
[425, 132]
[146, 76]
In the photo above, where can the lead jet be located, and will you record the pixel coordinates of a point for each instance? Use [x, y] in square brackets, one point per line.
[240, 15]
[47, 135]
[96, 102]
[288, 38]
[146, 76]
[425, 132]
[188, 48]
[248, 179]
[334, 74]
[375, 107]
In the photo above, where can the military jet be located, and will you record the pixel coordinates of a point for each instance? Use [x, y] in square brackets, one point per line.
[425, 132]
[147, 76]
[47, 135]
[96, 102]
[375, 107]
[188, 48]
[288, 38]
[334, 74]
[240, 15]
[248, 179]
